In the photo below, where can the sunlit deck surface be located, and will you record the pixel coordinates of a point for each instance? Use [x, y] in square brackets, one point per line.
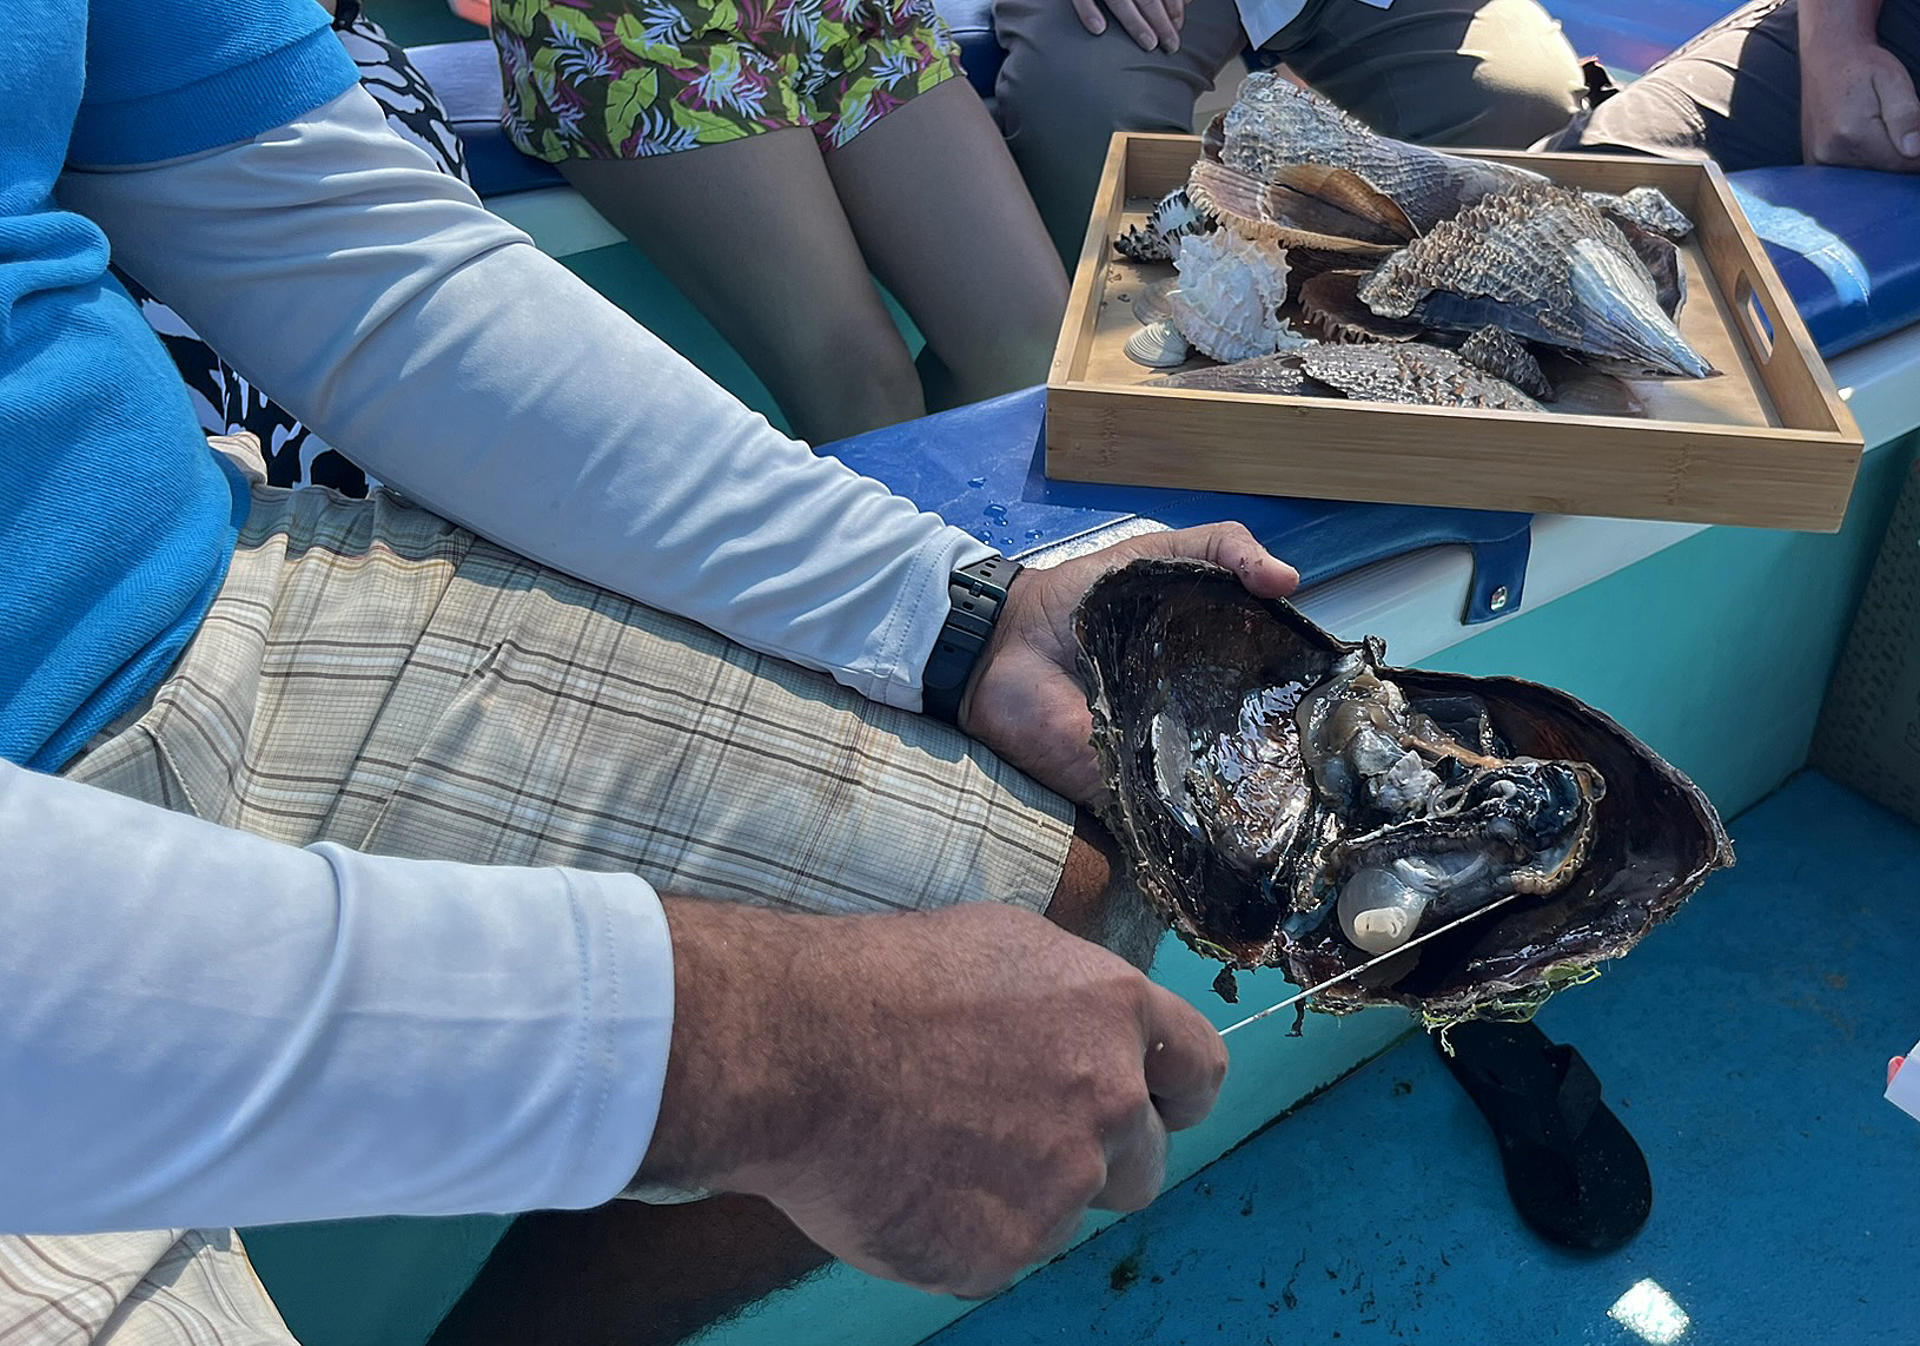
[1744, 1045]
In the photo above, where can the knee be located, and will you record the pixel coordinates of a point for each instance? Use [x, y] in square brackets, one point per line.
[849, 376]
[1526, 77]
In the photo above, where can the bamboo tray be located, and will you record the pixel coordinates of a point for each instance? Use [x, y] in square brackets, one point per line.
[1766, 443]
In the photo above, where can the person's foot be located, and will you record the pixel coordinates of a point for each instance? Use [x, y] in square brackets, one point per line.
[1576, 1177]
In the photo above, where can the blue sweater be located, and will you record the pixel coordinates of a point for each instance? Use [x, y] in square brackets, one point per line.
[116, 522]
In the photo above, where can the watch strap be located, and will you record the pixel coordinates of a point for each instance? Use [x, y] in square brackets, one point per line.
[976, 596]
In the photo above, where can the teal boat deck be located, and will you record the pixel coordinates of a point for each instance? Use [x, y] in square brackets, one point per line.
[1744, 1045]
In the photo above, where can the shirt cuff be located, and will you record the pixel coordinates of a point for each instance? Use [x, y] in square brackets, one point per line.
[905, 642]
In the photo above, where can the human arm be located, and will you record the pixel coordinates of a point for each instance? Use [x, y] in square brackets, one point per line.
[376, 299]
[1857, 101]
[207, 1028]
[935, 1098]
[1025, 697]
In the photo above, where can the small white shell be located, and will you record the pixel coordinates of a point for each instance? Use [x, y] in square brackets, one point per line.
[1158, 345]
[1231, 289]
[1151, 305]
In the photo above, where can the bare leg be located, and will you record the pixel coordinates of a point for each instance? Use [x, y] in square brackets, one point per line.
[753, 233]
[946, 223]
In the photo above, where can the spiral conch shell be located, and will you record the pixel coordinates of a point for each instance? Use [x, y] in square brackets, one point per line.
[1231, 290]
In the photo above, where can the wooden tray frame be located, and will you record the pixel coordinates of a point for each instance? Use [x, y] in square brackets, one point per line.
[1795, 474]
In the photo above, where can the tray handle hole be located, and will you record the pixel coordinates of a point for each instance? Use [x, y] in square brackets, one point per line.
[1753, 316]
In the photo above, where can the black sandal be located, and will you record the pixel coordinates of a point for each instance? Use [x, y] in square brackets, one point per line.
[1575, 1175]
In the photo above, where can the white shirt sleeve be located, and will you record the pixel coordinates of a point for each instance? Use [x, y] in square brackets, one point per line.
[206, 1028]
[433, 344]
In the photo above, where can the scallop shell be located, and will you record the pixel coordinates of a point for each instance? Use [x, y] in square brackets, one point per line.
[1234, 736]
[1158, 345]
[1544, 264]
[1231, 290]
[1274, 123]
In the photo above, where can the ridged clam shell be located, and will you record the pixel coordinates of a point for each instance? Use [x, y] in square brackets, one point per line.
[1275, 122]
[1546, 265]
[1158, 345]
[1152, 304]
[1647, 207]
[1231, 290]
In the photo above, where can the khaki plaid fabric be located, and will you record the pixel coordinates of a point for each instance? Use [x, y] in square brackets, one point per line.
[376, 676]
[165, 1287]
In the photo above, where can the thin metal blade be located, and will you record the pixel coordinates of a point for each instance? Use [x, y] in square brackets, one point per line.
[1353, 972]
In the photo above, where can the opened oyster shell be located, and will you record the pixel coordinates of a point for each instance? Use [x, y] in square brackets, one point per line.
[1280, 793]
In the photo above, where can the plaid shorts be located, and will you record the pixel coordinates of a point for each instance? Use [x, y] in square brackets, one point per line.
[619, 79]
[376, 676]
[373, 675]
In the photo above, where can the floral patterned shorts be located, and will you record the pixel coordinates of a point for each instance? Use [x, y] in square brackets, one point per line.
[616, 79]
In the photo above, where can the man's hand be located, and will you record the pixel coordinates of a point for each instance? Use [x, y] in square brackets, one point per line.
[1025, 699]
[936, 1099]
[1151, 23]
[1857, 104]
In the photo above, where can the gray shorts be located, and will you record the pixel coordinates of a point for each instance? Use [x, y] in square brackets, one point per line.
[1732, 94]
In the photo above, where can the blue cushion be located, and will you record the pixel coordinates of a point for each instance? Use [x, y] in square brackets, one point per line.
[1629, 38]
[1843, 241]
[982, 468]
[467, 79]
[980, 51]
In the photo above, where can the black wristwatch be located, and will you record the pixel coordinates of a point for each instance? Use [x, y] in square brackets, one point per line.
[977, 594]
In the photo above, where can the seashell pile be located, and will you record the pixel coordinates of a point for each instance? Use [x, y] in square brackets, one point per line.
[1287, 799]
[1474, 270]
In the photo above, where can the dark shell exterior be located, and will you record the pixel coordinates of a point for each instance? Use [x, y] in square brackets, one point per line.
[1168, 640]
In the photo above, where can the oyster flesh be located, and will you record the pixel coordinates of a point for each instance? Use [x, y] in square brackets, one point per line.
[1544, 264]
[1286, 799]
[1274, 123]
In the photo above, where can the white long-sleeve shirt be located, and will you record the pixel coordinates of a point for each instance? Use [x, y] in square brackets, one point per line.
[202, 1027]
